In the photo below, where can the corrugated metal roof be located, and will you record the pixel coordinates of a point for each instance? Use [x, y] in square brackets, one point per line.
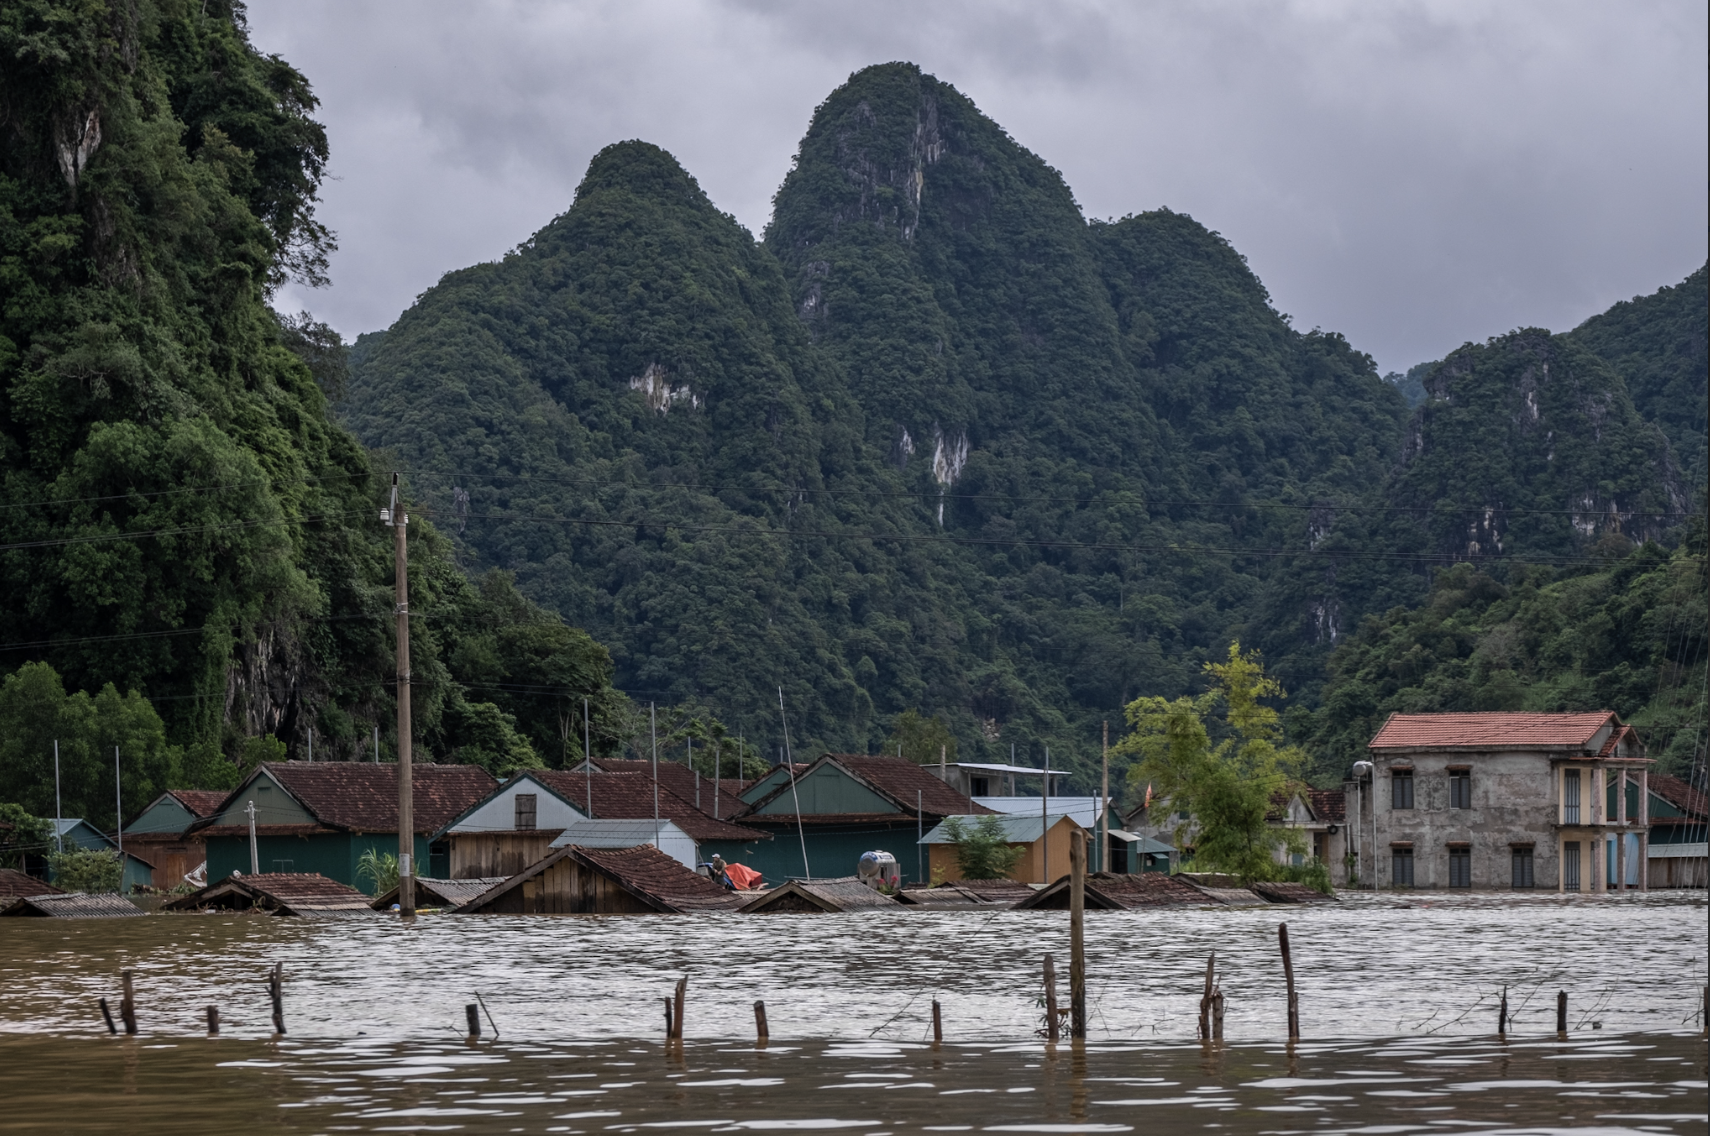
[1018, 828]
[73, 905]
[841, 893]
[1507, 728]
[617, 833]
[629, 796]
[441, 893]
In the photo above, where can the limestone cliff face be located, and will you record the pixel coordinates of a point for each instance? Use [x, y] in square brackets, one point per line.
[1530, 444]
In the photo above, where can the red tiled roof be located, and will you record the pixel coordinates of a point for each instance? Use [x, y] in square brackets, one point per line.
[201, 802]
[629, 796]
[901, 779]
[1486, 730]
[680, 779]
[364, 797]
[301, 887]
[294, 893]
[646, 869]
[1328, 804]
[1679, 794]
[16, 883]
[788, 819]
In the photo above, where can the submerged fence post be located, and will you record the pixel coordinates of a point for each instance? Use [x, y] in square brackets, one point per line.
[1561, 1011]
[276, 993]
[1502, 1015]
[1077, 945]
[760, 1030]
[677, 1009]
[1053, 1026]
[1217, 1014]
[213, 1021]
[472, 1013]
[128, 1005]
[670, 1022]
[1205, 998]
[937, 1024]
[1288, 975]
[108, 1014]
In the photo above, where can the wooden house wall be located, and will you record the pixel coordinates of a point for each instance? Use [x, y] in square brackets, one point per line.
[567, 888]
[173, 858]
[1032, 866]
[794, 903]
[478, 854]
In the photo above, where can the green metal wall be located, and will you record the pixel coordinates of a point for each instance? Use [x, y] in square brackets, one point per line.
[835, 853]
[827, 791]
[331, 854]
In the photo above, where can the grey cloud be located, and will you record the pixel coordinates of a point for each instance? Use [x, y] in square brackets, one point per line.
[1410, 174]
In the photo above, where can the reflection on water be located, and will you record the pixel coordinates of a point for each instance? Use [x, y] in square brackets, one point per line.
[375, 1013]
[1651, 1083]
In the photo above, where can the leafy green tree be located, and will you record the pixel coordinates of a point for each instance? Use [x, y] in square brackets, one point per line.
[479, 733]
[21, 835]
[90, 870]
[379, 870]
[981, 849]
[921, 739]
[1226, 787]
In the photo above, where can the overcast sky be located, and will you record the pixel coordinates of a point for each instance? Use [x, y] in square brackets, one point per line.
[1413, 175]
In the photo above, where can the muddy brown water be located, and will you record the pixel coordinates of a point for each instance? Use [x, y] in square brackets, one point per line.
[1398, 1008]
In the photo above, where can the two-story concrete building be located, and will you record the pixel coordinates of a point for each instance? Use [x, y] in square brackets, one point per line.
[1501, 800]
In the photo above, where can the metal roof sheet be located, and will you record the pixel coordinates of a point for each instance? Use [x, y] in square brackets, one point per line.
[617, 833]
[73, 905]
[1018, 828]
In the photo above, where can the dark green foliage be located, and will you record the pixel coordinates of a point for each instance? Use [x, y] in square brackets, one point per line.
[21, 835]
[1412, 384]
[1661, 346]
[90, 870]
[981, 851]
[1629, 638]
[923, 740]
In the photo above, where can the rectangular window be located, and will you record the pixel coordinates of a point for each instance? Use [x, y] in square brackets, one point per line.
[1401, 789]
[1460, 867]
[1570, 866]
[1570, 797]
[1523, 867]
[1401, 867]
[1460, 789]
[525, 811]
[980, 787]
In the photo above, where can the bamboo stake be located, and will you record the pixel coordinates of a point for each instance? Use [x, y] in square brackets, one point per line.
[670, 1024]
[1077, 944]
[1205, 998]
[937, 1024]
[763, 1034]
[1288, 975]
[128, 1005]
[1217, 1014]
[1561, 1011]
[677, 1015]
[276, 992]
[1053, 1026]
[108, 1014]
[1502, 1015]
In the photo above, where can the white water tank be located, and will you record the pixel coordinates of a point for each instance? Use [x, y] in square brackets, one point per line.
[879, 869]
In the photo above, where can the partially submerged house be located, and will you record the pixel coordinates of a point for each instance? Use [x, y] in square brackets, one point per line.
[1320, 817]
[443, 894]
[1502, 801]
[320, 817]
[73, 832]
[160, 834]
[71, 905]
[604, 881]
[841, 806]
[304, 894]
[1109, 891]
[516, 824]
[1677, 839]
[1043, 840]
[1123, 851]
[845, 893]
[17, 885]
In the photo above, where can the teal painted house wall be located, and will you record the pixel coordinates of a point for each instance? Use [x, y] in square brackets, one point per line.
[331, 854]
[165, 815]
[832, 850]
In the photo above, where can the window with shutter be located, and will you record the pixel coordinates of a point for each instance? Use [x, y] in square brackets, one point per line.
[1570, 866]
[525, 811]
[1523, 868]
[1460, 789]
[1401, 789]
[1460, 867]
[1570, 797]
[1401, 867]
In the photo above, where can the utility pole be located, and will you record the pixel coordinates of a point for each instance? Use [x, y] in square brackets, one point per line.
[399, 522]
[1104, 801]
[587, 759]
[254, 856]
[118, 805]
[58, 823]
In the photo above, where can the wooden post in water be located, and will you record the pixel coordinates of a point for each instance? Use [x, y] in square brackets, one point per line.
[213, 1021]
[762, 1034]
[1288, 975]
[677, 1009]
[1205, 998]
[1053, 1026]
[472, 1014]
[108, 1014]
[1502, 1015]
[1077, 946]
[670, 1023]
[276, 993]
[937, 1024]
[1217, 1014]
[1561, 1011]
[128, 1005]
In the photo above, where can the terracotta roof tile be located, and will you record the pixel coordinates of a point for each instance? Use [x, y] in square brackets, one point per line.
[629, 796]
[288, 893]
[900, 779]
[1679, 794]
[364, 797]
[1328, 804]
[680, 779]
[201, 802]
[1485, 730]
[15, 883]
[646, 869]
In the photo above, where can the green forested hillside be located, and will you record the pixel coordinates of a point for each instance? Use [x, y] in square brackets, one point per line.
[937, 442]
[182, 517]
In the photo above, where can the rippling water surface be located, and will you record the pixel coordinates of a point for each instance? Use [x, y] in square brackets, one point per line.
[374, 1010]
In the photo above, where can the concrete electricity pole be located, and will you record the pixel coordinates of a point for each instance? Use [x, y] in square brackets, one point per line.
[399, 522]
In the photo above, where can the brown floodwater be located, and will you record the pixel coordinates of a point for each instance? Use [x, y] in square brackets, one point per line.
[1398, 1008]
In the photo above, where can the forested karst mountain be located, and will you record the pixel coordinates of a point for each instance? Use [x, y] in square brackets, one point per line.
[936, 442]
[182, 517]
